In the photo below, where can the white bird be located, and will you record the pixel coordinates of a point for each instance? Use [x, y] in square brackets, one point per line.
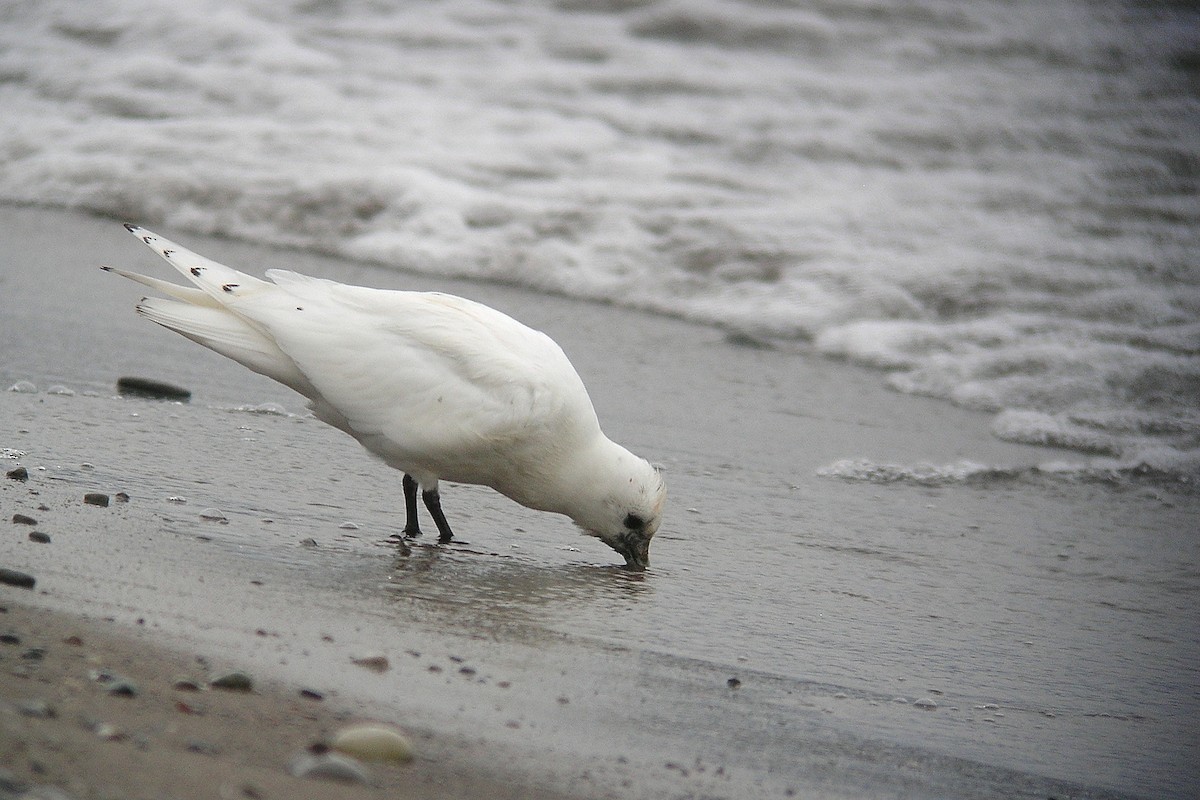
[438, 387]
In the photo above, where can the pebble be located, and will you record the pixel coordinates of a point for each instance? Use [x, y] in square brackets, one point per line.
[18, 474]
[233, 682]
[38, 536]
[108, 732]
[35, 707]
[23, 387]
[328, 766]
[375, 743]
[348, 526]
[214, 514]
[926, 704]
[96, 499]
[121, 687]
[14, 578]
[733, 683]
[21, 519]
[155, 390]
[373, 663]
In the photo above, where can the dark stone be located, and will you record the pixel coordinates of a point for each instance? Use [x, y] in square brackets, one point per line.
[14, 578]
[96, 499]
[155, 390]
[233, 682]
[21, 519]
[39, 537]
[18, 474]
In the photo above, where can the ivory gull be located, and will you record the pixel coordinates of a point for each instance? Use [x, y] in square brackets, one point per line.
[438, 387]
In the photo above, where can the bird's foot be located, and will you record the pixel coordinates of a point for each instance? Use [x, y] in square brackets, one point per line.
[411, 532]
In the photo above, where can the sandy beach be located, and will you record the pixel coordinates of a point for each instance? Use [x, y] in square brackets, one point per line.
[918, 633]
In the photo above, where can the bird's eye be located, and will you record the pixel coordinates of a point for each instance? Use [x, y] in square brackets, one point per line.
[634, 522]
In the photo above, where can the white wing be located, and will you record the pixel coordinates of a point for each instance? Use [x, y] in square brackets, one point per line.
[434, 384]
[428, 381]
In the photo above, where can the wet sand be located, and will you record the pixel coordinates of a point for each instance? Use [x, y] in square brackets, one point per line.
[525, 659]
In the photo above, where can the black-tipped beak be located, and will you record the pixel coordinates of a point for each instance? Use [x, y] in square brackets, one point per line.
[637, 555]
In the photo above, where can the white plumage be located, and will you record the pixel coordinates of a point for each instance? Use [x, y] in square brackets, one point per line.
[439, 387]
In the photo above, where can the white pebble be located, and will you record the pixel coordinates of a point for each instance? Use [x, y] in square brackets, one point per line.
[23, 387]
[378, 743]
[348, 526]
[926, 704]
[212, 514]
[328, 766]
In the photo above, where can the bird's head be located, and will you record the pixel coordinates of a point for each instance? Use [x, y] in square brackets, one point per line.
[631, 514]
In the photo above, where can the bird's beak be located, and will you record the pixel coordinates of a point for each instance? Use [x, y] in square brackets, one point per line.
[637, 556]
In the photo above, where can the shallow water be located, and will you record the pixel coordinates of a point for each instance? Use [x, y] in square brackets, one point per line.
[1049, 617]
[995, 204]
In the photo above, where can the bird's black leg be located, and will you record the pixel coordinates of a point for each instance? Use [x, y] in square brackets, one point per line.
[433, 502]
[412, 527]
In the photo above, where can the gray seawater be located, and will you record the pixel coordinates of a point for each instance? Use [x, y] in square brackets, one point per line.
[994, 202]
[956, 630]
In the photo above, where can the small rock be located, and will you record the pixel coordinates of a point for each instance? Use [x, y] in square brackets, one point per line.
[121, 497]
[34, 654]
[213, 514]
[155, 390]
[113, 683]
[309, 542]
[96, 499]
[108, 732]
[18, 474]
[11, 785]
[311, 694]
[926, 704]
[233, 682]
[23, 387]
[373, 663]
[733, 683]
[14, 578]
[329, 767]
[35, 707]
[74, 641]
[9, 638]
[22, 519]
[186, 685]
[39, 537]
[377, 743]
[349, 526]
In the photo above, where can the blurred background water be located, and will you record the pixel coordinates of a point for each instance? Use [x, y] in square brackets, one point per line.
[994, 202]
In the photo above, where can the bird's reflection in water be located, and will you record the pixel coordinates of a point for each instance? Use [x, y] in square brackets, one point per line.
[457, 584]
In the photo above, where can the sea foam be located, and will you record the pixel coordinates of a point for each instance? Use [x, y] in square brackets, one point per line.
[997, 209]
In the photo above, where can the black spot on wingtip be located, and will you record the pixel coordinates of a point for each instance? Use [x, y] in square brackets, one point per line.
[299, 308]
[168, 253]
[196, 271]
[129, 226]
[147, 239]
[229, 287]
[106, 268]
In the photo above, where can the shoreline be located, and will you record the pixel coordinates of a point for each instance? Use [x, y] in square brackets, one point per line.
[840, 606]
[62, 727]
